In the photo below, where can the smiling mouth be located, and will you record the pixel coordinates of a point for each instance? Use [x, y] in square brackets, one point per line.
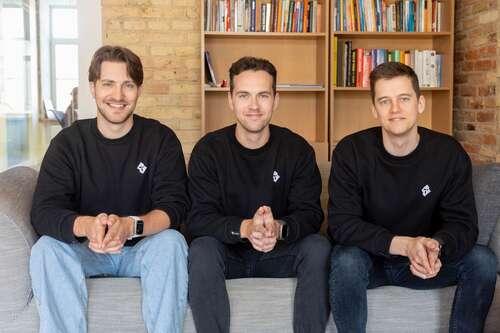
[117, 105]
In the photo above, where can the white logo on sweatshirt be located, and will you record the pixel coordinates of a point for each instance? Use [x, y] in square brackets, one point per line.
[275, 176]
[142, 168]
[426, 190]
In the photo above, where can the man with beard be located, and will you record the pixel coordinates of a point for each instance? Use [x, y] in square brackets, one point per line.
[255, 189]
[109, 194]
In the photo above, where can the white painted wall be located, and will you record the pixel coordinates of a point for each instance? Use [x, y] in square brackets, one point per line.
[90, 39]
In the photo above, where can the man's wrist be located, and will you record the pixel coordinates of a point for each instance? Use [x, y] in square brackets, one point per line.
[244, 228]
[399, 246]
[80, 225]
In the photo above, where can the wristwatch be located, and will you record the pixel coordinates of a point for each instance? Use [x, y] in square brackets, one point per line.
[441, 245]
[283, 230]
[138, 227]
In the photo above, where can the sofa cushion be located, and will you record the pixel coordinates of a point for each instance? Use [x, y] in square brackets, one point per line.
[494, 243]
[16, 191]
[486, 182]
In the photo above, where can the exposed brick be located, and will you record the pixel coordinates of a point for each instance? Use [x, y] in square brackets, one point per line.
[468, 91]
[485, 116]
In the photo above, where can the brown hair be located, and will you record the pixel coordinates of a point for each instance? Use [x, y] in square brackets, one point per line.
[116, 54]
[251, 64]
[390, 70]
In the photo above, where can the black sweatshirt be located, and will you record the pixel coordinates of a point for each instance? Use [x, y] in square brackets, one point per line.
[228, 183]
[375, 196]
[83, 173]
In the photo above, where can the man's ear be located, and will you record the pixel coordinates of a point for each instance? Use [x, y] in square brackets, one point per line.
[374, 112]
[92, 88]
[139, 90]
[421, 104]
[230, 101]
[276, 101]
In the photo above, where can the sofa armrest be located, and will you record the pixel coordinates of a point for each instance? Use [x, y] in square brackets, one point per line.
[17, 186]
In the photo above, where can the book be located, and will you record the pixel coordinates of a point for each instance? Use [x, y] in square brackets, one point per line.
[209, 71]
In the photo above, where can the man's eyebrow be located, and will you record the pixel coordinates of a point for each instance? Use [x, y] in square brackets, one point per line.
[400, 95]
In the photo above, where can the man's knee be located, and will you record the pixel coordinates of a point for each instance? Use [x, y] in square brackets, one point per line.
[349, 261]
[316, 249]
[168, 240]
[205, 254]
[482, 262]
[46, 247]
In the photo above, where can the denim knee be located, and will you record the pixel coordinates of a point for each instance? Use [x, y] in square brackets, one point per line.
[45, 247]
[349, 262]
[482, 263]
[316, 249]
[168, 241]
[205, 253]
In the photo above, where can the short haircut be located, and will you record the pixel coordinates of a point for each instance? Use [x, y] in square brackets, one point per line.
[251, 64]
[390, 70]
[116, 54]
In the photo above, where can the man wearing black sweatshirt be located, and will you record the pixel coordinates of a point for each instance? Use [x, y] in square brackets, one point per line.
[255, 192]
[402, 211]
[109, 194]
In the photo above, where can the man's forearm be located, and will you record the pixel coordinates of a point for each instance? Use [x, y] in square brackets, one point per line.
[155, 221]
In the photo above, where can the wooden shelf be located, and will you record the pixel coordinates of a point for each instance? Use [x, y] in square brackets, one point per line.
[217, 34]
[412, 35]
[212, 89]
[368, 89]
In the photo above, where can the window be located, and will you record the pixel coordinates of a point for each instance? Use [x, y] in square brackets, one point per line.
[16, 49]
[64, 54]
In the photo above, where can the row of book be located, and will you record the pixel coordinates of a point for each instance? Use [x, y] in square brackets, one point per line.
[263, 16]
[381, 16]
[352, 66]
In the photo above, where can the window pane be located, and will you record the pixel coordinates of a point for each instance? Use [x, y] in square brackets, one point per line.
[12, 23]
[63, 93]
[66, 61]
[64, 23]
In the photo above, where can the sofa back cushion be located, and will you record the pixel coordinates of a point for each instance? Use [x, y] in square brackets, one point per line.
[486, 183]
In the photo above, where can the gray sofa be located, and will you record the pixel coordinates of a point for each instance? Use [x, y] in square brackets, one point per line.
[257, 305]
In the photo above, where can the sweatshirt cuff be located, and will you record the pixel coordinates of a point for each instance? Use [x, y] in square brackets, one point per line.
[67, 227]
[233, 230]
[447, 243]
[293, 230]
[383, 244]
[172, 215]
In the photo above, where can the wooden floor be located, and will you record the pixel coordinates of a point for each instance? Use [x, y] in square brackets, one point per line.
[23, 140]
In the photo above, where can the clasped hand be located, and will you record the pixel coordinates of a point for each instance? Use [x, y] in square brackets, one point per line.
[262, 230]
[108, 233]
[423, 254]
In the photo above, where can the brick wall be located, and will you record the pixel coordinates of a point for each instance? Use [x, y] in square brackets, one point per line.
[166, 35]
[475, 83]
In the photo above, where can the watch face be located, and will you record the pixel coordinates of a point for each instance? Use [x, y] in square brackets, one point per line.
[139, 227]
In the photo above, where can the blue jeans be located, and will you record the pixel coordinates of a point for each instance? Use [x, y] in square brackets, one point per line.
[353, 271]
[58, 271]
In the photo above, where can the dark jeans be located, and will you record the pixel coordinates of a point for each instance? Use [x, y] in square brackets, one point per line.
[211, 262]
[353, 271]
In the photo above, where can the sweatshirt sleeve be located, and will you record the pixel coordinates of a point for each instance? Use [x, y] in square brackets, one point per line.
[345, 206]
[169, 191]
[205, 217]
[54, 208]
[457, 211]
[304, 214]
